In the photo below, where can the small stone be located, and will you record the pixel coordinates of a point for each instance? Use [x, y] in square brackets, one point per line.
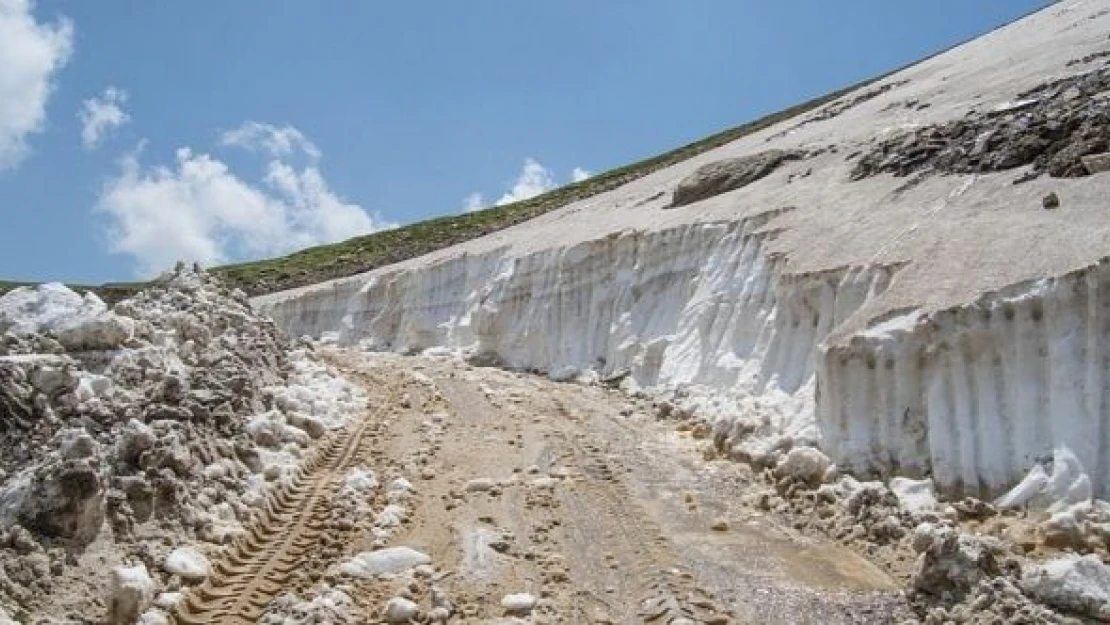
[479, 485]
[1051, 201]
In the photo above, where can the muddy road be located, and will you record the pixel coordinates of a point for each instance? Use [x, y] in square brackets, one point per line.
[524, 498]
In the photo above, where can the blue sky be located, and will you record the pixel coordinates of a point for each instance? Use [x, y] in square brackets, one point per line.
[132, 133]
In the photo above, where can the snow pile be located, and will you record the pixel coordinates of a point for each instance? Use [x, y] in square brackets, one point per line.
[332, 606]
[1079, 584]
[953, 573]
[136, 428]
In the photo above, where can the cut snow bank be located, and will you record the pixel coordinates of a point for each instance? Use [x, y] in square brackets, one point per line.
[947, 327]
[976, 396]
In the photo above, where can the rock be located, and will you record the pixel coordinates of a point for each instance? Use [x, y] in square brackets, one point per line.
[480, 485]
[66, 500]
[392, 560]
[438, 615]
[1077, 584]
[1051, 201]
[400, 610]
[313, 427]
[518, 603]
[1065, 529]
[187, 563]
[52, 380]
[76, 444]
[1054, 128]
[728, 175]
[974, 509]
[1096, 163]
[135, 438]
[805, 464]
[131, 591]
[951, 562]
[103, 332]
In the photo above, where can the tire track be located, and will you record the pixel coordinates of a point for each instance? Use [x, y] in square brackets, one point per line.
[294, 521]
[666, 593]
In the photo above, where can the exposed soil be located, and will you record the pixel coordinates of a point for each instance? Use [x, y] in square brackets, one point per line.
[574, 495]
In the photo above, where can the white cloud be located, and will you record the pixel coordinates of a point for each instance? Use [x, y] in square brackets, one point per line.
[30, 54]
[277, 142]
[197, 209]
[474, 202]
[101, 115]
[533, 180]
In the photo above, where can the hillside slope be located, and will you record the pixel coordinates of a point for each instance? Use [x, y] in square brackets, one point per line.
[911, 276]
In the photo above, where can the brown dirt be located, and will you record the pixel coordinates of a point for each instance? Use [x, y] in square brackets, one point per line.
[601, 512]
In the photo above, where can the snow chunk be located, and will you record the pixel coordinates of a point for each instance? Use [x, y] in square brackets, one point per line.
[803, 463]
[42, 308]
[79, 323]
[392, 560]
[132, 590]
[914, 495]
[519, 603]
[400, 610]
[1067, 484]
[188, 563]
[360, 481]
[1079, 584]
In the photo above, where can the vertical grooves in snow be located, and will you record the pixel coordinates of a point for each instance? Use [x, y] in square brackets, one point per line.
[1101, 366]
[973, 395]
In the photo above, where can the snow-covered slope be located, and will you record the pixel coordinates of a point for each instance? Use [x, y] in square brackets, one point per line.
[946, 325]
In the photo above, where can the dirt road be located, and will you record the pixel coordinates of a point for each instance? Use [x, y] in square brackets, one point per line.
[575, 499]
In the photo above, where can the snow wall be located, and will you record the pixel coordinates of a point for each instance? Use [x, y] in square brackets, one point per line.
[974, 396]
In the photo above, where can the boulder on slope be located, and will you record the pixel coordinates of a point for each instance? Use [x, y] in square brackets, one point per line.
[728, 175]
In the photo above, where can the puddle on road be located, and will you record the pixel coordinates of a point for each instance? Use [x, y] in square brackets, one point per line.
[754, 551]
